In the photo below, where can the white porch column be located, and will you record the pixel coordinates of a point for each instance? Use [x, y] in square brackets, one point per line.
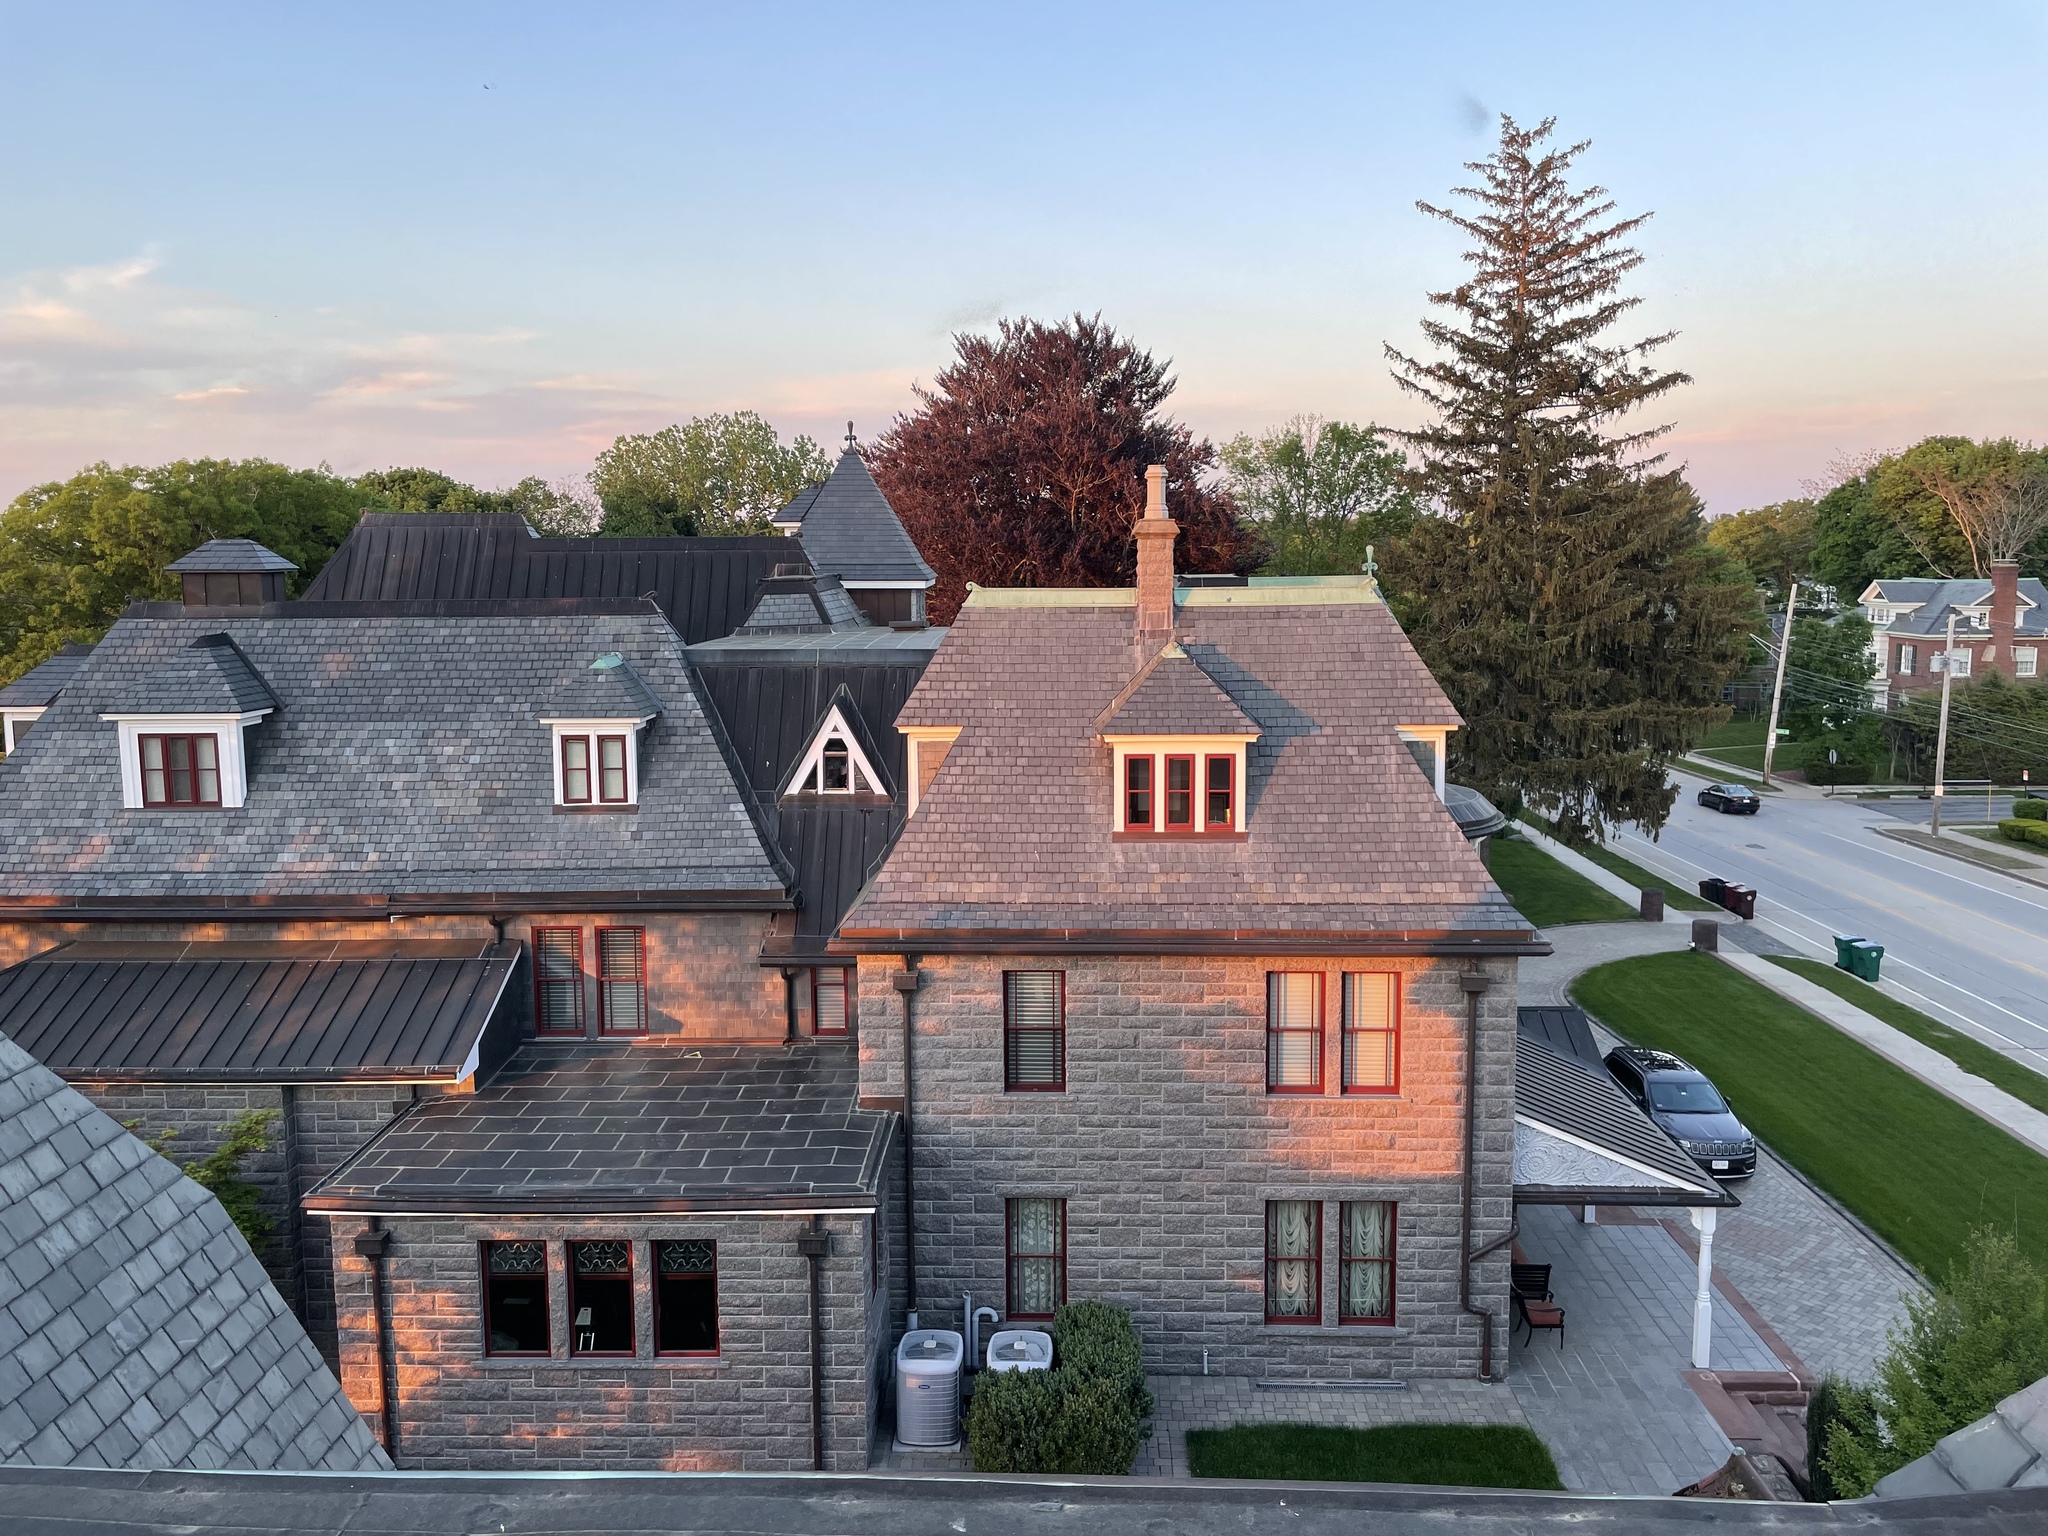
[1703, 1299]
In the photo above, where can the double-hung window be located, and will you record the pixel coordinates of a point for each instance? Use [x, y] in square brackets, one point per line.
[558, 981]
[1909, 657]
[1294, 1032]
[1138, 794]
[601, 1298]
[1372, 1035]
[622, 981]
[1034, 1031]
[831, 998]
[515, 1298]
[1180, 793]
[686, 1297]
[594, 770]
[2026, 660]
[180, 772]
[1365, 1285]
[1037, 1257]
[1219, 775]
[1294, 1261]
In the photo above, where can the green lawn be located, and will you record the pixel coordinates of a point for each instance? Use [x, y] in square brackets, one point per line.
[1448, 1455]
[1917, 1167]
[1547, 893]
[2027, 1086]
[1676, 893]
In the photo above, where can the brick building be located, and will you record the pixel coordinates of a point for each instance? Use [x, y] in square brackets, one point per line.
[2001, 626]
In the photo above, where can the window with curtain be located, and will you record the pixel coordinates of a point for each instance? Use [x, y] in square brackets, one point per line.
[622, 981]
[515, 1298]
[1294, 1032]
[1294, 1261]
[1365, 1290]
[1037, 1257]
[1372, 1041]
[830, 997]
[558, 981]
[601, 1298]
[1034, 1031]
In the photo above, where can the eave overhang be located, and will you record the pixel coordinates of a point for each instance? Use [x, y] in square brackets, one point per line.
[264, 908]
[1185, 941]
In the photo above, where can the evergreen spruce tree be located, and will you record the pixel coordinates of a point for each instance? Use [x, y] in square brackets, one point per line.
[1562, 592]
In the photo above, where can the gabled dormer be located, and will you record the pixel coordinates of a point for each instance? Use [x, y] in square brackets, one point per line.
[596, 718]
[180, 729]
[841, 758]
[1177, 746]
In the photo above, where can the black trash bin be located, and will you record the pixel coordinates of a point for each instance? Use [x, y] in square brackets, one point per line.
[1711, 889]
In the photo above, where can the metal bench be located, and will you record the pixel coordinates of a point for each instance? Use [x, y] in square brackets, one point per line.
[1534, 1307]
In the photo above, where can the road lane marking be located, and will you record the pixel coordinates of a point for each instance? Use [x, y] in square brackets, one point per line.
[1886, 853]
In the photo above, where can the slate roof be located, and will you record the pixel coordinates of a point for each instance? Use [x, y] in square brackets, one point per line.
[705, 586]
[1172, 696]
[409, 759]
[607, 689]
[2006, 1448]
[848, 528]
[1937, 597]
[136, 1327]
[1345, 835]
[1583, 1101]
[208, 676]
[277, 1011]
[581, 1129]
[35, 688]
[230, 556]
[793, 603]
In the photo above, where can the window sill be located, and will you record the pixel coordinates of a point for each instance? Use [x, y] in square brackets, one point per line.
[1179, 837]
[597, 1362]
[596, 810]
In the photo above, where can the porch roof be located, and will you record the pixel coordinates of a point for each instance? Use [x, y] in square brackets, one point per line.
[1579, 1140]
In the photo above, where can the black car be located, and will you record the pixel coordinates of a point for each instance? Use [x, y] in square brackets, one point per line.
[1730, 799]
[1687, 1108]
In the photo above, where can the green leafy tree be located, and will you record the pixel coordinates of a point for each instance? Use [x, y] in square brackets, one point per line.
[1979, 1338]
[715, 475]
[566, 508]
[219, 1173]
[1897, 517]
[74, 553]
[1562, 591]
[1827, 686]
[1774, 544]
[428, 490]
[1321, 492]
[1997, 729]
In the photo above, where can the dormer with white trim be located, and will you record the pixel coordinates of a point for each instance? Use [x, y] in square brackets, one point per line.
[180, 729]
[1178, 752]
[841, 759]
[595, 721]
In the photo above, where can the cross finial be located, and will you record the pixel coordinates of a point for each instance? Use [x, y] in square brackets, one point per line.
[849, 434]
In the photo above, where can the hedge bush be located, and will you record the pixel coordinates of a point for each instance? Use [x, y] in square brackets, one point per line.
[2025, 831]
[2030, 810]
[1087, 1414]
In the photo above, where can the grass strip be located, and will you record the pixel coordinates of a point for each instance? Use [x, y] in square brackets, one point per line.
[1676, 894]
[1547, 893]
[1919, 1169]
[2029, 1087]
[1449, 1455]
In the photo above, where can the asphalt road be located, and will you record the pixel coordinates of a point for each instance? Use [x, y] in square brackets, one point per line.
[1968, 945]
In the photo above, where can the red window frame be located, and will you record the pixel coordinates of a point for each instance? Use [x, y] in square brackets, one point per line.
[632, 1343]
[570, 796]
[611, 774]
[483, 1256]
[1353, 1031]
[1227, 792]
[1345, 1261]
[1012, 1258]
[171, 751]
[661, 1248]
[622, 965]
[826, 1018]
[1184, 760]
[1314, 1261]
[1277, 1034]
[1015, 1034]
[542, 976]
[1139, 797]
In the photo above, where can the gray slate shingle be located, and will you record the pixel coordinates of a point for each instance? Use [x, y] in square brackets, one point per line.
[849, 530]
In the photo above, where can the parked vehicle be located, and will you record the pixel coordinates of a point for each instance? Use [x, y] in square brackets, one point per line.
[1730, 799]
[1687, 1108]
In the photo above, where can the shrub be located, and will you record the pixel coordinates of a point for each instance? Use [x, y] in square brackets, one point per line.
[2015, 829]
[1007, 1418]
[1834, 1401]
[217, 1173]
[2030, 810]
[2037, 834]
[1087, 1414]
[1093, 1429]
[1819, 770]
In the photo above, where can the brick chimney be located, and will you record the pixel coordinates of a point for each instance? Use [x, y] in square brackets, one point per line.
[2005, 609]
[1156, 532]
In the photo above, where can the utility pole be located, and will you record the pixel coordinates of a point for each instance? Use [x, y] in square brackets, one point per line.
[1778, 688]
[1948, 671]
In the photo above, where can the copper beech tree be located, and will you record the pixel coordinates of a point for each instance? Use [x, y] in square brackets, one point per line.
[1024, 465]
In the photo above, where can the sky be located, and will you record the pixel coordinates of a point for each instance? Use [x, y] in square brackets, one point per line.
[490, 239]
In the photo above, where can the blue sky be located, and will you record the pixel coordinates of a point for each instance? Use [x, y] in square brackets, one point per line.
[490, 238]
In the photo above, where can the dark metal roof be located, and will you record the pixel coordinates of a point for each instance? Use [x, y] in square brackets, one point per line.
[1565, 1030]
[210, 676]
[231, 556]
[704, 586]
[1475, 814]
[848, 528]
[580, 1129]
[1583, 1102]
[279, 1012]
[35, 688]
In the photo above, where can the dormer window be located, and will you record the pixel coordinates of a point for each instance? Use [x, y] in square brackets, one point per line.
[841, 758]
[180, 772]
[1177, 742]
[180, 729]
[603, 708]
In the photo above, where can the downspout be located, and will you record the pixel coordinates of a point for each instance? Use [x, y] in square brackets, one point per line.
[908, 980]
[814, 1244]
[373, 1245]
[1475, 984]
[789, 976]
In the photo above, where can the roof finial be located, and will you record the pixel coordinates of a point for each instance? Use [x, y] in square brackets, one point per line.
[1371, 566]
[849, 436]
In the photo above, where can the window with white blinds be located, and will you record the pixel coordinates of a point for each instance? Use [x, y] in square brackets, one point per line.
[558, 981]
[1294, 1032]
[1372, 1038]
[622, 981]
[1035, 1031]
[829, 998]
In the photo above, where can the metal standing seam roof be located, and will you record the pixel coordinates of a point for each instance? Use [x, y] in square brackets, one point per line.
[849, 530]
[1566, 1031]
[266, 1013]
[139, 1330]
[35, 688]
[582, 1129]
[1584, 1103]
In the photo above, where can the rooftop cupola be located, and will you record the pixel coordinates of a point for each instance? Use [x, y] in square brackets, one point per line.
[232, 573]
[1156, 532]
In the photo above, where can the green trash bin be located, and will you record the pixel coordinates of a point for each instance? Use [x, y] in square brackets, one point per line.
[1845, 952]
[1867, 956]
